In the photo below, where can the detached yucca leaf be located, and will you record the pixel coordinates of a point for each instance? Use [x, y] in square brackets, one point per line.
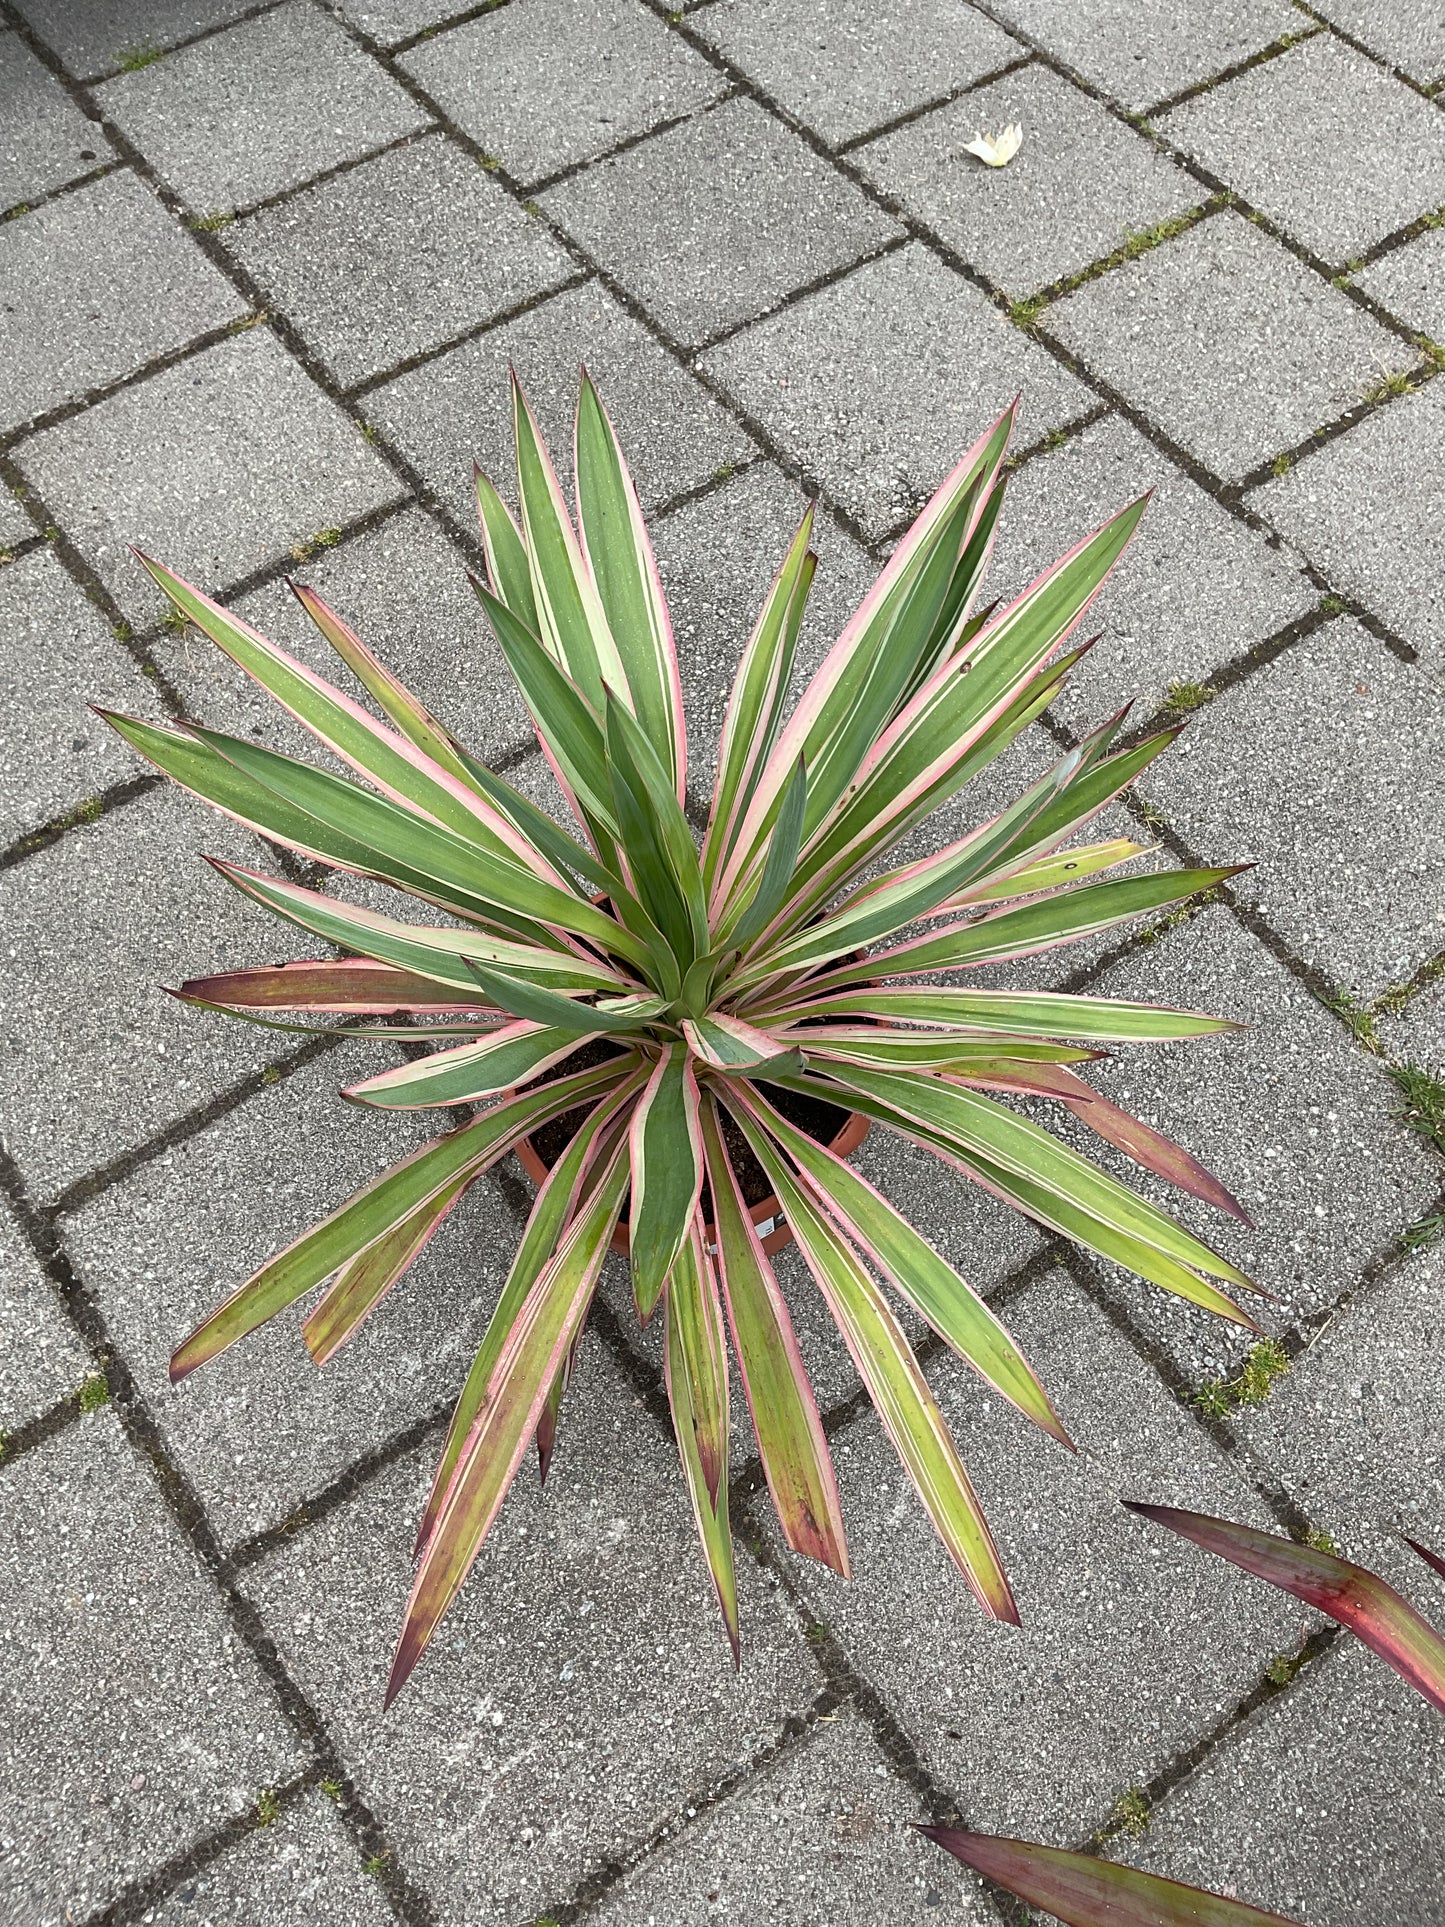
[677, 1011]
[1085, 1891]
[1362, 1603]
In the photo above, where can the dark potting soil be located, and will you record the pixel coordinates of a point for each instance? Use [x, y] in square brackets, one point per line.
[814, 1115]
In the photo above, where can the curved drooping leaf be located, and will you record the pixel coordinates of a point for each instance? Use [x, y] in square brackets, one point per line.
[1362, 1602]
[1084, 1891]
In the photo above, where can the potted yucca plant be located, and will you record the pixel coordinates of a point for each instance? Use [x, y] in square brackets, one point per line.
[690, 1011]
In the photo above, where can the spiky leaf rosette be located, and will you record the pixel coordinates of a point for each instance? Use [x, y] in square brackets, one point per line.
[780, 961]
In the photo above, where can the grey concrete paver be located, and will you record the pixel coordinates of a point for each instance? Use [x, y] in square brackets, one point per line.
[1324, 770]
[1288, 1113]
[1194, 590]
[1228, 343]
[45, 140]
[1410, 282]
[543, 84]
[392, 21]
[849, 66]
[216, 466]
[823, 1835]
[587, 1630]
[940, 362]
[1079, 186]
[1410, 38]
[15, 524]
[1141, 54]
[98, 1059]
[41, 1359]
[1363, 510]
[1327, 1796]
[403, 588]
[1048, 1697]
[713, 222]
[395, 257]
[259, 108]
[95, 37]
[57, 656]
[1356, 1429]
[300, 1871]
[133, 1717]
[61, 330]
[263, 1429]
[457, 409]
[1337, 152]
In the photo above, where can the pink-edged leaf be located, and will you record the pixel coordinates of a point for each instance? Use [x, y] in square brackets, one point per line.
[546, 1433]
[821, 698]
[1432, 1559]
[353, 985]
[1361, 1601]
[379, 1207]
[500, 1061]
[1084, 1891]
[666, 1154]
[1148, 1147]
[786, 1420]
[730, 1044]
[536, 1345]
[553, 1210]
[694, 1361]
[359, 1287]
[618, 555]
[400, 770]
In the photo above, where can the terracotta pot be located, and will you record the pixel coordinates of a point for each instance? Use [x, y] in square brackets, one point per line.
[774, 1230]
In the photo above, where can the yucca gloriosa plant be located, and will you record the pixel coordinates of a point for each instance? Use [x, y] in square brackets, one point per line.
[722, 984]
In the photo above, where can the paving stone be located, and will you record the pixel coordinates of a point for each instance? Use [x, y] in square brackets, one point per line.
[587, 1630]
[258, 109]
[403, 588]
[1356, 1430]
[717, 220]
[94, 37]
[457, 409]
[46, 140]
[132, 1720]
[546, 83]
[941, 361]
[1143, 54]
[215, 466]
[62, 332]
[15, 524]
[1324, 769]
[1194, 590]
[300, 1871]
[391, 21]
[1291, 1115]
[1037, 1729]
[262, 1430]
[1080, 185]
[1337, 152]
[822, 1835]
[1412, 38]
[396, 257]
[1417, 1035]
[1227, 342]
[847, 66]
[56, 657]
[1410, 282]
[41, 1359]
[98, 1059]
[1365, 513]
[717, 558]
[1327, 1805]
